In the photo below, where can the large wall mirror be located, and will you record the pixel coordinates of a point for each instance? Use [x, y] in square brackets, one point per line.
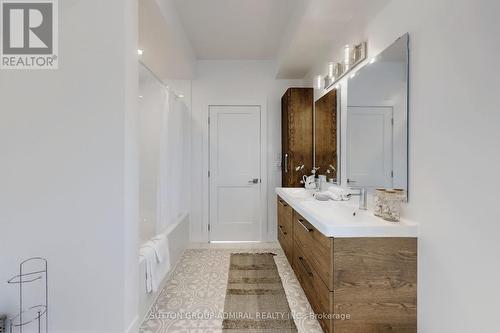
[327, 136]
[377, 121]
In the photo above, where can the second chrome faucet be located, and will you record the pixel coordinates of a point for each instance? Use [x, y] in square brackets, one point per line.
[362, 197]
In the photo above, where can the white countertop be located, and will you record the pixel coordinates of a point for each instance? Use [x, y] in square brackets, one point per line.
[343, 219]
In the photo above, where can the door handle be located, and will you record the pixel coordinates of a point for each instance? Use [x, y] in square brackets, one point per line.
[253, 181]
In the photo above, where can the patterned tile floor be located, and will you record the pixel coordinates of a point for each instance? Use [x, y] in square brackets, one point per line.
[193, 298]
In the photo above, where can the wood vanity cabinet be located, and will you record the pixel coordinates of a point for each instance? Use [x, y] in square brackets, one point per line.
[296, 134]
[285, 213]
[354, 285]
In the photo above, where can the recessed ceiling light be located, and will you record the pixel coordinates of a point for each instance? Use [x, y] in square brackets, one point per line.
[140, 51]
[181, 95]
[140, 96]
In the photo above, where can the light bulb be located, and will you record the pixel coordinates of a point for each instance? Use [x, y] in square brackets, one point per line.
[347, 56]
[331, 67]
[318, 82]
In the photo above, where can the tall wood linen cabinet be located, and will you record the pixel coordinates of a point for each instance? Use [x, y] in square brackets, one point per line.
[296, 135]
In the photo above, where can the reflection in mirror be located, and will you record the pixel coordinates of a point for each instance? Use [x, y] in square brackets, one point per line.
[326, 136]
[377, 121]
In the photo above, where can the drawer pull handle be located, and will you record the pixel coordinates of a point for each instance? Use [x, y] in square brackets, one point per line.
[306, 267]
[303, 225]
[283, 232]
[283, 203]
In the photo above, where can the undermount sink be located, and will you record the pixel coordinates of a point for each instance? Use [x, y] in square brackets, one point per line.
[299, 193]
[341, 210]
[344, 211]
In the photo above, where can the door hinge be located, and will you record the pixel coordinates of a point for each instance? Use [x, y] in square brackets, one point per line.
[392, 121]
[209, 120]
[392, 174]
[208, 173]
[209, 227]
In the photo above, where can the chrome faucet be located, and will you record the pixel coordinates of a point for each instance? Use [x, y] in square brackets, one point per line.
[362, 198]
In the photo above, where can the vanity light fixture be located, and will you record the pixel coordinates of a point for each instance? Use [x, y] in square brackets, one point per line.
[353, 56]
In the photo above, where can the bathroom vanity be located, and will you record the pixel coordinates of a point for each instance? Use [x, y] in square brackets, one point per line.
[358, 272]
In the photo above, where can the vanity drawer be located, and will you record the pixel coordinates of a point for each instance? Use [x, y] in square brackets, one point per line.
[285, 214]
[285, 236]
[317, 248]
[320, 298]
[286, 244]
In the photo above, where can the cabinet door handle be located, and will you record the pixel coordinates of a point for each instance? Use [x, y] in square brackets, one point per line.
[303, 225]
[286, 163]
[306, 267]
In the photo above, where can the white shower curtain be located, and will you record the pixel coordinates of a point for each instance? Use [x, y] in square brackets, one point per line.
[164, 156]
[173, 181]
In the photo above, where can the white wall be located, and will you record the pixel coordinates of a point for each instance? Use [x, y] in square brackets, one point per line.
[68, 174]
[234, 82]
[131, 173]
[454, 155]
[167, 50]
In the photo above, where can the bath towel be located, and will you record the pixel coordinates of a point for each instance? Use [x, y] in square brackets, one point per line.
[161, 247]
[156, 255]
[149, 255]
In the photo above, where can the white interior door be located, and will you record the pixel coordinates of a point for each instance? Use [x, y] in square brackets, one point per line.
[235, 173]
[369, 146]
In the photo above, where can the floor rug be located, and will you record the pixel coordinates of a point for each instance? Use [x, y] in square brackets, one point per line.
[255, 299]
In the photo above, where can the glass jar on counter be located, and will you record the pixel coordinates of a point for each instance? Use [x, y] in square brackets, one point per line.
[392, 206]
[379, 201]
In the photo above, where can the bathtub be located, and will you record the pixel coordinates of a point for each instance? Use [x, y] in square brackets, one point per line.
[178, 239]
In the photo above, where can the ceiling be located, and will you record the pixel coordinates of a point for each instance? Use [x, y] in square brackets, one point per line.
[235, 29]
[321, 31]
[295, 33]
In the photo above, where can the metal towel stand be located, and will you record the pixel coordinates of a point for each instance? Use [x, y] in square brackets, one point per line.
[34, 313]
